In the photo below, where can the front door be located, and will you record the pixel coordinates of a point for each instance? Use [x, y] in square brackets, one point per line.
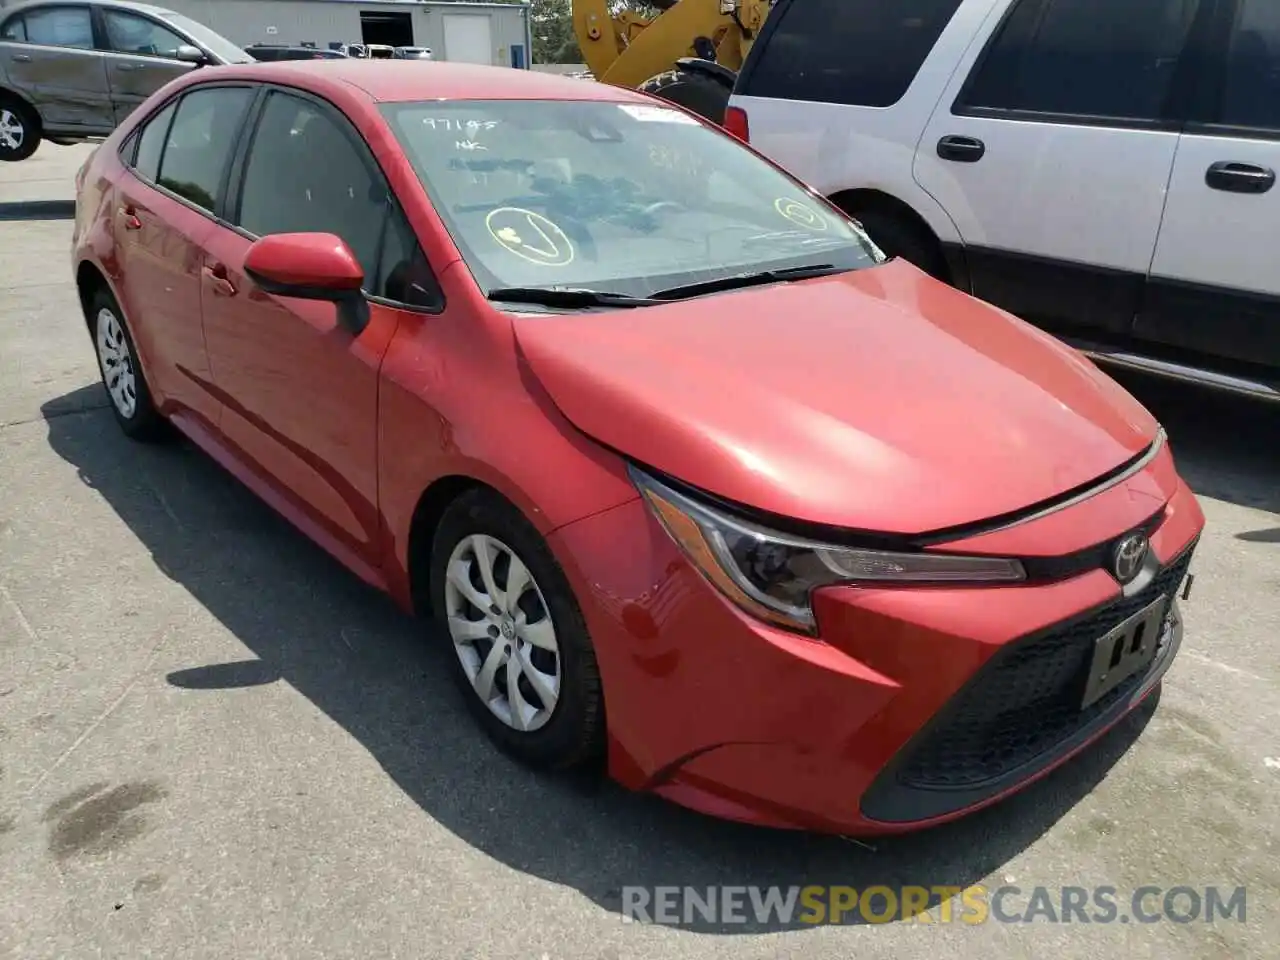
[48, 54]
[1051, 150]
[1214, 284]
[301, 390]
[142, 56]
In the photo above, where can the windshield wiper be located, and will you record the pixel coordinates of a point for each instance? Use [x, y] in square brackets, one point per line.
[738, 280]
[569, 297]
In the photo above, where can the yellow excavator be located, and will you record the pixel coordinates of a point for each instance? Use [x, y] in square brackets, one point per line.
[689, 53]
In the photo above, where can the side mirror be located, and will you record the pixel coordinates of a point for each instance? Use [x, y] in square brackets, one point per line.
[189, 54]
[311, 266]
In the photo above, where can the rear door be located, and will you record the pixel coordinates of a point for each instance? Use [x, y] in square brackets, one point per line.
[49, 55]
[1215, 286]
[1051, 151]
[163, 218]
[141, 57]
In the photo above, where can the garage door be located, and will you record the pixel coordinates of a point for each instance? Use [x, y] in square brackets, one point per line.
[468, 38]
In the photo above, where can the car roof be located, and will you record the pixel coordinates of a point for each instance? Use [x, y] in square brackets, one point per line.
[149, 8]
[390, 81]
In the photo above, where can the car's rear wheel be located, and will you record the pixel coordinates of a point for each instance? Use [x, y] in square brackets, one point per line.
[121, 370]
[19, 129]
[522, 654]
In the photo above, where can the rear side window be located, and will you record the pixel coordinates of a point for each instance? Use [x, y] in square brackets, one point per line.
[1251, 92]
[151, 144]
[200, 142]
[59, 27]
[858, 52]
[1104, 59]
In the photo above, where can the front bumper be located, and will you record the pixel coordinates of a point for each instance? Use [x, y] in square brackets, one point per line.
[915, 706]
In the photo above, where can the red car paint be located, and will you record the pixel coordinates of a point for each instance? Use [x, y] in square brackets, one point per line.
[901, 406]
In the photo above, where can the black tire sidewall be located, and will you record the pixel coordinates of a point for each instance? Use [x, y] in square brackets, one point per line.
[146, 422]
[897, 238]
[31, 129]
[705, 96]
[574, 734]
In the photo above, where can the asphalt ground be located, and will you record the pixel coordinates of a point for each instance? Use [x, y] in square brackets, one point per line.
[214, 742]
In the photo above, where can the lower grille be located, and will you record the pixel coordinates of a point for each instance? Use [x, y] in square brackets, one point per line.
[1019, 714]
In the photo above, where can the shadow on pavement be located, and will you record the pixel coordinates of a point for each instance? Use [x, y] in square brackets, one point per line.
[38, 210]
[306, 621]
[1225, 446]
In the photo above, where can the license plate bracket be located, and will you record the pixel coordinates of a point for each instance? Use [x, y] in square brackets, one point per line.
[1124, 650]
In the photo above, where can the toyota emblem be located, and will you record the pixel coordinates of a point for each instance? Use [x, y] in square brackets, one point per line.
[1126, 561]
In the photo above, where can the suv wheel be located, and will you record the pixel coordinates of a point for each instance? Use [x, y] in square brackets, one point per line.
[899, 238]
[19, 130]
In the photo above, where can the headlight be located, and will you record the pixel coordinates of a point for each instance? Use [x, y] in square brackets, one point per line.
[772, 575]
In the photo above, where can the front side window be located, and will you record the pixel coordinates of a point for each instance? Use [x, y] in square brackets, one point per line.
[200, 142]
[59, 27]
[858, 52]
[15, 29]
[616, 197]
[307, 173]
[1251, 92]
[130, 33]
[1098, 59]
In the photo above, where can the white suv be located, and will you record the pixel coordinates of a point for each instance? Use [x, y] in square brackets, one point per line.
[1103, 168]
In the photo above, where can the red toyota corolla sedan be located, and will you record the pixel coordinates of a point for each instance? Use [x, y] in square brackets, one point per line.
[689, 475]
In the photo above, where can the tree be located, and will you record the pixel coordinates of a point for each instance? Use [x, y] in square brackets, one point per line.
[553, 37]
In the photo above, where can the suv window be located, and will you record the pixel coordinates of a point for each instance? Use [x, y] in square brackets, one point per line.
[1251, 91]
[53, 27]
[860, 52]
[1083, 58]
[130, 33]
[200, 141]
[287, 188]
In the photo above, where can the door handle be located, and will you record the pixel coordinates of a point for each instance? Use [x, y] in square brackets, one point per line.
[21, 58]
[961, 149]
[125, 67]
[1240, 177]
[131, 221]
[217, 277]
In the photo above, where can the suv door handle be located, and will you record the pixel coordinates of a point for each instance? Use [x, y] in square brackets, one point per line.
[961, 149]
[125, 67]
[1240, 177]
[21, 58]
[216, 274]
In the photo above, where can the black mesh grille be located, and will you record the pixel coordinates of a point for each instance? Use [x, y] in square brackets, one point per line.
[1027, 699]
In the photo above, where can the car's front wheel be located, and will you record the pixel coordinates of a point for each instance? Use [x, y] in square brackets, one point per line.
[521, 651]
[19, 130]
[122, 370]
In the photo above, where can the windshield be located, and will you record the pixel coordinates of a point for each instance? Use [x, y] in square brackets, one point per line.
[617, 197]
[215, 43]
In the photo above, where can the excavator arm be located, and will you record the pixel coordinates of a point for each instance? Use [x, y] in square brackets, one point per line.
[629, 50]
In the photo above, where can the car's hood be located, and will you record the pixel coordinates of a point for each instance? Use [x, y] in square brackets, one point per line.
[877, 400]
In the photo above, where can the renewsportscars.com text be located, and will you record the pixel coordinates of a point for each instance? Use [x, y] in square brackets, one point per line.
[784, 906]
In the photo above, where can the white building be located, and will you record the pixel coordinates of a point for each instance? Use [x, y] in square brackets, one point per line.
[458, 30]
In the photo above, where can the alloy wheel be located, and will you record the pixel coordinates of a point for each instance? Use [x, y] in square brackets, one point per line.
[117, 362]
[13, 131]
[502, 632]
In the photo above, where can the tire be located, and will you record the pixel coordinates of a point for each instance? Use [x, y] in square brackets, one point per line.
[19, 129]
[122, 376]
[898, 237]
[571, 733]
[702, 94]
